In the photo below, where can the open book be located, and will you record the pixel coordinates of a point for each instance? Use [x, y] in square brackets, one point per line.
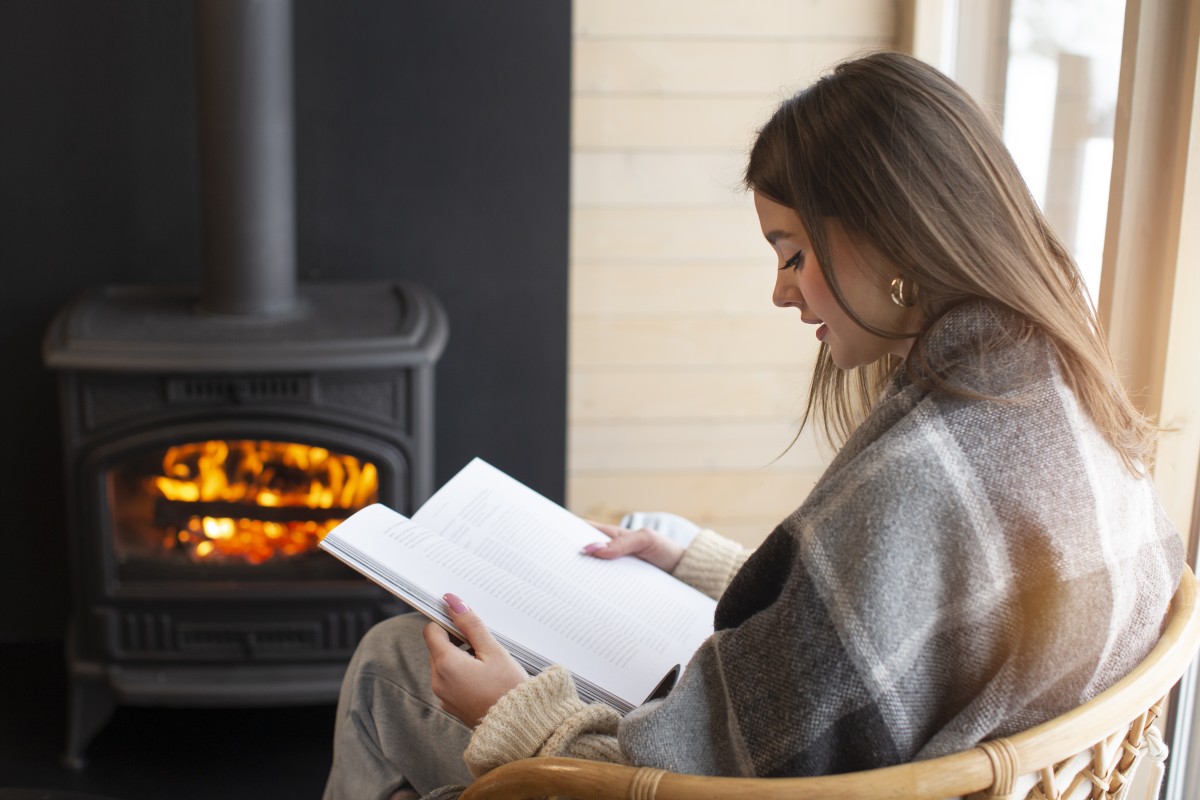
[623, 628]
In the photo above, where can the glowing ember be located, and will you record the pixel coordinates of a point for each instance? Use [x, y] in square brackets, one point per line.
[259, 500]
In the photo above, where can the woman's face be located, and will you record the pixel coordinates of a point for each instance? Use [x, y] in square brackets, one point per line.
[865, 279]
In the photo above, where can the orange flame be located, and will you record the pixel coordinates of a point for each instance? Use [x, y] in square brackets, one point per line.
[261, 475]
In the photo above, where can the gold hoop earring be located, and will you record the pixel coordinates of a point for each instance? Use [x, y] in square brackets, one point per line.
[904, 293]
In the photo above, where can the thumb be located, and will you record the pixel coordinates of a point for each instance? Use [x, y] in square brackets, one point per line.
[472, 627]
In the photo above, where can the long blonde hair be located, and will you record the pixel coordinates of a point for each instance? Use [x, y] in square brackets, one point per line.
[907, 162]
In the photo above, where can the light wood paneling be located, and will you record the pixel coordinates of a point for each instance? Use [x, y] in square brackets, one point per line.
[740, 494]
[673, 446]
[635, 179]
[686, 383]
[667, 235]
[708, 67]
[762, 19]
[716, 395]
[670, 123]
[745, 504]
[739, 343]
[675, 290]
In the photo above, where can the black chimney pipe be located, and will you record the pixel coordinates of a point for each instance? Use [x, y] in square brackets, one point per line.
[247, 155]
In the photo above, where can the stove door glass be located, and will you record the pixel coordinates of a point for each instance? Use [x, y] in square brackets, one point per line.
[232, 507]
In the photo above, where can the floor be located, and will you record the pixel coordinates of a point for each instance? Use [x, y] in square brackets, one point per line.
[154, 753]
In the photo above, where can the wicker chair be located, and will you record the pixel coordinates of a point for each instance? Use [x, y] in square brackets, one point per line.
[1089, 752]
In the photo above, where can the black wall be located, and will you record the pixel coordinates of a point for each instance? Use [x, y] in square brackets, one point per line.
[432, 145]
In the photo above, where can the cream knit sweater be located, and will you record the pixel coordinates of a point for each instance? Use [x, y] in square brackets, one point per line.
[545, 717]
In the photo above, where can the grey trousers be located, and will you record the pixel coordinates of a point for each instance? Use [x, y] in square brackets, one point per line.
[391, 732]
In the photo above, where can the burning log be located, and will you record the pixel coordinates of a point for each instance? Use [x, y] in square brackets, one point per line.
[178, 513]
[255, 501]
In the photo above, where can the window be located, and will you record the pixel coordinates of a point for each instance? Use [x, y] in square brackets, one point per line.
[1049, 70]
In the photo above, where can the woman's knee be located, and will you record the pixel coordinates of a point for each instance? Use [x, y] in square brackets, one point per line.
[394, 645]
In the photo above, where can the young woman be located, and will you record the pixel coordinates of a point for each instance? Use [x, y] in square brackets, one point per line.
[985, 551]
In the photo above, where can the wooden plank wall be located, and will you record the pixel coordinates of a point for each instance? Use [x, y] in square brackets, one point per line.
[685, 383]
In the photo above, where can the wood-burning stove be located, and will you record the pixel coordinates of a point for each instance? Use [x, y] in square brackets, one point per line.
[212, 435]
[204, 457]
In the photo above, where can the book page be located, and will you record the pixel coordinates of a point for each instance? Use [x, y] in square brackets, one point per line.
[514, 557]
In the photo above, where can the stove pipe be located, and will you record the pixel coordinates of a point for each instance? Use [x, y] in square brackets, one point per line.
[247, 156]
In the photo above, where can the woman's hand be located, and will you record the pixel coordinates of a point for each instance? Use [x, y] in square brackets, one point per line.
[644, 543]
[468, 685]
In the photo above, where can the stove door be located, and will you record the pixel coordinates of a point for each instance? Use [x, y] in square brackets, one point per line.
[211, 503]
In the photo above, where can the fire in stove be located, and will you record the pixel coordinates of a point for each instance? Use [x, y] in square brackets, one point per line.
[256, 500]
[243, 501]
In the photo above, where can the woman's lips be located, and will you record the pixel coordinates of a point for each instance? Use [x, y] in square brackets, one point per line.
[822, 331]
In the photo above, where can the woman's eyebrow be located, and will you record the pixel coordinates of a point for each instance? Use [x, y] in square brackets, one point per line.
[776, 235]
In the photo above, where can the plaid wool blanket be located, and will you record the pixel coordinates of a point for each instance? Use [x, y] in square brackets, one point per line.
[964, 569]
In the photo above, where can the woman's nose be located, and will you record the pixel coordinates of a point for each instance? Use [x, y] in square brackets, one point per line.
[786, 293]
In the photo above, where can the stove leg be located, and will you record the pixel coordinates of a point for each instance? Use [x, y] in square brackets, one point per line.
[90, 705]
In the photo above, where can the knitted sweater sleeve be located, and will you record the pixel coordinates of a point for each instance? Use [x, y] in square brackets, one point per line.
[545, 717]
[710, 562]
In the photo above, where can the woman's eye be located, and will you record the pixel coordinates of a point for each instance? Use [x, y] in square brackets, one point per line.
[795, 262]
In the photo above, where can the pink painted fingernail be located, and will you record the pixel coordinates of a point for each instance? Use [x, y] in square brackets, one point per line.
[593, 547]
[456, 604]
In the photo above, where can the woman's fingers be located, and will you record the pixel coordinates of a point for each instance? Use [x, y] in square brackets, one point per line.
[644, 543]
[468, 684]
[476, 632]
[621, 542]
